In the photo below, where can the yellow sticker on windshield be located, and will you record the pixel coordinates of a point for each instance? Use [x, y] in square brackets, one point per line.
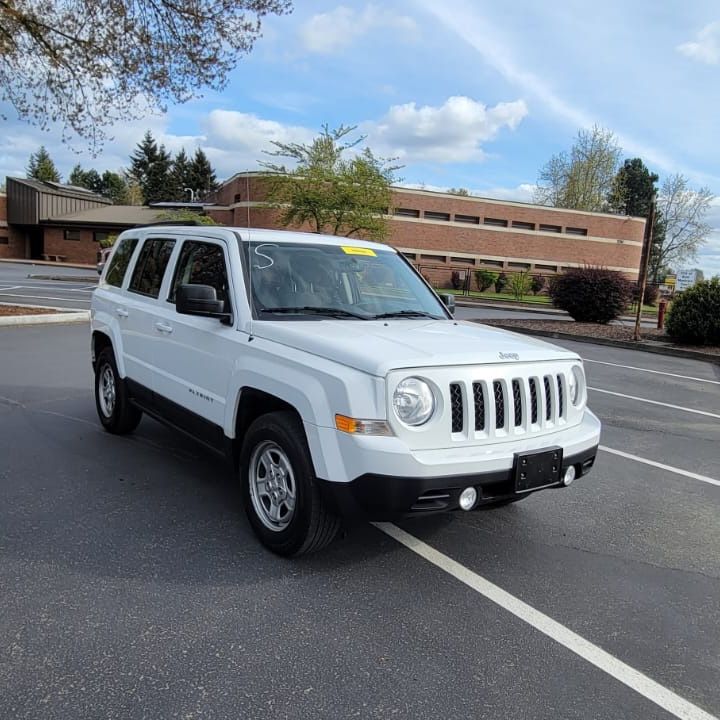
[358, 251]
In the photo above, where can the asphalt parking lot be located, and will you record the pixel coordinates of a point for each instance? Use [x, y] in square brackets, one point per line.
[18, 287]
[132, 586]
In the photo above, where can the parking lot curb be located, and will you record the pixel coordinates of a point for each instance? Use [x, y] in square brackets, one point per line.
[643, 345]
[66, 278]
[61, 318]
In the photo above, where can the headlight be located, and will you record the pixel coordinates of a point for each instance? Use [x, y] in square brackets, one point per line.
[576, 381]
[413, 401]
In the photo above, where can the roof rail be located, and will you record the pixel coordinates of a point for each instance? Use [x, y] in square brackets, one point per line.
[169, 222]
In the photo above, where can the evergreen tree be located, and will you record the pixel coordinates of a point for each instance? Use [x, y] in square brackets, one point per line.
[180, 176]
[633, 189]
[201, 177]
[150, 168]
[41, 167]
[115, 188]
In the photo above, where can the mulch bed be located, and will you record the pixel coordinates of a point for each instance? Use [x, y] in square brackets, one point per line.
[607, 332]
[6, 310]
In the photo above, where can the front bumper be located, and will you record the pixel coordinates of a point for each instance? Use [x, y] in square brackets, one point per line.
[382, 497]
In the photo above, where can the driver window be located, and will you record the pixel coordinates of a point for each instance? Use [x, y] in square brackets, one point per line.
[202, 263]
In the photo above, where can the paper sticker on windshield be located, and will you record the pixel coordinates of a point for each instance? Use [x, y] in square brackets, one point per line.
[358, 251]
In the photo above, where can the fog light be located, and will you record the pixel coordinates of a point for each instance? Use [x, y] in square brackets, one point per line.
[467, 498]
[569, 475]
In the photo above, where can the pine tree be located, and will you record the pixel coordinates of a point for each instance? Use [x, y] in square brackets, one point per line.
[202, 175]
[150, 169]
[180, 176]
[41, 167]
[115, 188]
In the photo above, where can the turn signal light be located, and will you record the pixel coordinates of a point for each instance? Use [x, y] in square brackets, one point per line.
[353, 426]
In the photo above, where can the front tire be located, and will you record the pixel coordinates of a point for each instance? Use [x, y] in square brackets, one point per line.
[117, 414]
[280, 493]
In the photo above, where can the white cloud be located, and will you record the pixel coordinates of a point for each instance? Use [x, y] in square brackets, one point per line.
[706, 48]
[448, 133]
[470, 25]
[330, 32]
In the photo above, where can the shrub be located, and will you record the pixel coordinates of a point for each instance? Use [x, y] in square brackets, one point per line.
[456, 280]
[591, 294]
[485, 279]
[651, 294]
[501, 283]
[694, 315]
[537, 284]
[520, 284]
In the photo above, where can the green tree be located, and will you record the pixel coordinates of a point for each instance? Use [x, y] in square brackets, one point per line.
[582, 179]
[186, 215]
[485, 279]
[633, 189]
[463, 192]
[684, 230]
[41, 166]
[88, 179]
[180, 176]
[150, 169]
[85, 63]
[520, 284]
[115, 188]
[331, 188]
[201, 176]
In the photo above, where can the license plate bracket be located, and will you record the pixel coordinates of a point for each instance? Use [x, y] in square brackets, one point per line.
[541, 468]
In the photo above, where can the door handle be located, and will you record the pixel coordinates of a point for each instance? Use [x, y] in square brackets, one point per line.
[121, 312]
[163, 327]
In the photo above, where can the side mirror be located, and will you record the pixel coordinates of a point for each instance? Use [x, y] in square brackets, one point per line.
[201, 300]
[449, 302]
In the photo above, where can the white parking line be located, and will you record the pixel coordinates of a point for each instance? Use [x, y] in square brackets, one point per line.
[669, 468]
[655, 402]
[654, 372]
[634, 679]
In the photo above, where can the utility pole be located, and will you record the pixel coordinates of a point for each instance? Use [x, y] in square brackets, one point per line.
[644, 261]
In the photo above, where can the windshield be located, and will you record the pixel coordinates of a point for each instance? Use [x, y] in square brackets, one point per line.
[291, 280]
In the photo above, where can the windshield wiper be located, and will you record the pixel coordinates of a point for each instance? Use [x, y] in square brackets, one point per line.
[315, 310]
[407, 313]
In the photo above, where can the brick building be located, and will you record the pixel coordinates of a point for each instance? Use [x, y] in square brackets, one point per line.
[439, 232]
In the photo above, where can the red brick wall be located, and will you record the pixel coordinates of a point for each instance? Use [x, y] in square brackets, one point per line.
[83, 251]
[15, 247]
[479, 240]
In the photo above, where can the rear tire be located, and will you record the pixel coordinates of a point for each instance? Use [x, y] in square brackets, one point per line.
[279, 489]
[117, 414]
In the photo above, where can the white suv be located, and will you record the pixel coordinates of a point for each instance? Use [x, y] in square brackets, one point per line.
[333, 376]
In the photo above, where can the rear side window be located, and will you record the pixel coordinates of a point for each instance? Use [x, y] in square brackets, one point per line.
[150, 267]
[119, 263]
[202, 263]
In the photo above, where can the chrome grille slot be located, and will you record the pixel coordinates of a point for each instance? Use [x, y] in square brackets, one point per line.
[456, 407]
[499, 394]
[479, 403]
[533, 401]
[517, 402]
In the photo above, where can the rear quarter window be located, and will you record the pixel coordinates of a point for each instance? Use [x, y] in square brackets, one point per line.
[120, 261]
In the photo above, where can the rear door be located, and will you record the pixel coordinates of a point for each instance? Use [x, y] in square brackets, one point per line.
[140, 331]
[195, 355]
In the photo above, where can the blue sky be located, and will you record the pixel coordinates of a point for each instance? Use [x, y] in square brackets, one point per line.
[469, 93]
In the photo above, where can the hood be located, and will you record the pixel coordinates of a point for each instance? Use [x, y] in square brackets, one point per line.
[378, 346]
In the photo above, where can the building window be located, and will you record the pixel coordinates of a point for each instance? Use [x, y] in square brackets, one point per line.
[465, 260]
[432, 215]
[520, 225]
[576, 231]
[409, 256]
[237, 198]
[4, 241]
[433, 258]
[492, 263]
[519, 265]
[406, 212]
[72, 234]
[495, 222]
[471, 219]
[551, 268]
[99, 237]
[550, 228]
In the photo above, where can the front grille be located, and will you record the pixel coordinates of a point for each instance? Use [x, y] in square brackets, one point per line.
[479, 402]
[533, 401]
[542, 398]
[456, 407]
[548, 398]
[517, 402]
[499, 405]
